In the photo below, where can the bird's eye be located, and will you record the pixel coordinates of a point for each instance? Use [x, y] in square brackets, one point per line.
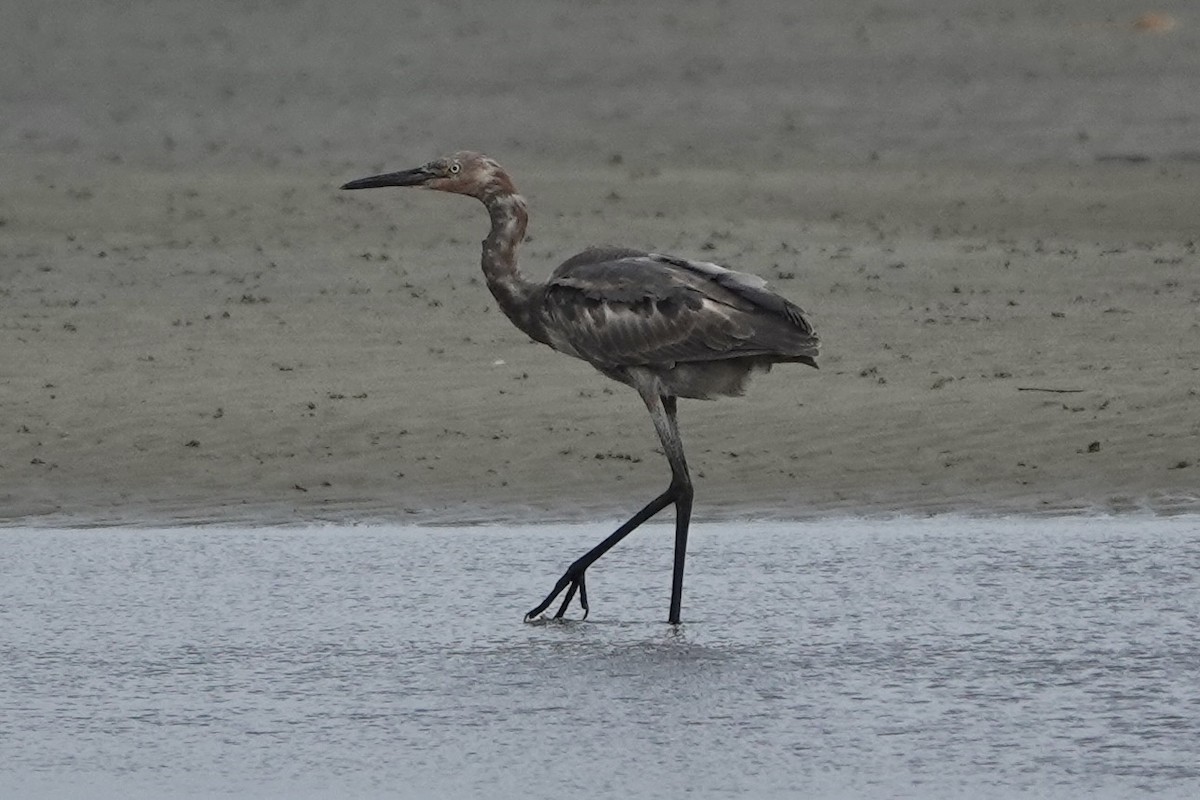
[455, 168]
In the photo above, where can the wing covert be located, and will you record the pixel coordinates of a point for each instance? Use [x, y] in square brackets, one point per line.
[620, 307]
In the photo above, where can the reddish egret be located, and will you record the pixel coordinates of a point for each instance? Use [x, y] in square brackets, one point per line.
[666, 326]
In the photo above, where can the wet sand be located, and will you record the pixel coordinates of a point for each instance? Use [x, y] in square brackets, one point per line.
[990, 214]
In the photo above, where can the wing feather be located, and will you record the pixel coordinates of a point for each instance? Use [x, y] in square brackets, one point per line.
[616, 307]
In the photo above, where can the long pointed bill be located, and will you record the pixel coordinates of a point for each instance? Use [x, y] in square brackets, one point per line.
[408, 177]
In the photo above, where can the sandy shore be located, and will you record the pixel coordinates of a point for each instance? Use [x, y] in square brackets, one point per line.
[991, 217]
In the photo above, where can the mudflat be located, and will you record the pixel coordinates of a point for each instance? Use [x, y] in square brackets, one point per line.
[989, 211]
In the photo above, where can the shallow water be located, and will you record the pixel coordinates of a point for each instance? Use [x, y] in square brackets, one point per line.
[899, 658]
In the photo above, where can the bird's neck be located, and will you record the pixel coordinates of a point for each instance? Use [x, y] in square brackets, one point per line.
[512, 291]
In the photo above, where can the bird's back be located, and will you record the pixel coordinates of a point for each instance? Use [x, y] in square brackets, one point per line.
[701, 328]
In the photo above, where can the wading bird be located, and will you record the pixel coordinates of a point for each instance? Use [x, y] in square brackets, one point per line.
[666, 326]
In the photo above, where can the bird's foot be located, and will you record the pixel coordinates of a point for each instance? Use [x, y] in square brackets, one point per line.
[572, 582]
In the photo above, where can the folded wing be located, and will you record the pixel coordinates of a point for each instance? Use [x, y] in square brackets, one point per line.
[618, 308]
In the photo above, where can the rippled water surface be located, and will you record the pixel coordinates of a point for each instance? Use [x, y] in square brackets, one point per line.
[901, 658]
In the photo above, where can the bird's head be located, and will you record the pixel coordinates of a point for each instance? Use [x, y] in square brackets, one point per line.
[472, 174]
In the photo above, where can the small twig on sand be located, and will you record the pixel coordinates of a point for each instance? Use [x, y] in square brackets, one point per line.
[1040, 389]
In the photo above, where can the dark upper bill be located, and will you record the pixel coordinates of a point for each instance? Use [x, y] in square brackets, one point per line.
[408, 177]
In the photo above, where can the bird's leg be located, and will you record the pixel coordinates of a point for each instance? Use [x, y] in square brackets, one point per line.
[573, 578]
[662, 410]
[681, 488]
